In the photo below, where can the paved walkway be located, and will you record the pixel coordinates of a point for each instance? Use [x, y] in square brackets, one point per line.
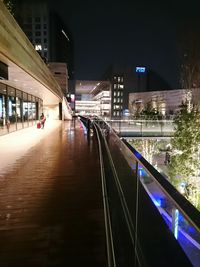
[51, 211]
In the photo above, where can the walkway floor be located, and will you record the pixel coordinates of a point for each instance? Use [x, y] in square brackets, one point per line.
[51, 211]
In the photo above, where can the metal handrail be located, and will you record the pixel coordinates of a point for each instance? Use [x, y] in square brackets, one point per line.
[108, 228]
[124, 205]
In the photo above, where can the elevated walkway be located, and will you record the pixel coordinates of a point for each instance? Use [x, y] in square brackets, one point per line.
[62, 206]
[51, 211]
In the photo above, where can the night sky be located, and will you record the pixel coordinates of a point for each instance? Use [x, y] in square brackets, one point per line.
[140, 33]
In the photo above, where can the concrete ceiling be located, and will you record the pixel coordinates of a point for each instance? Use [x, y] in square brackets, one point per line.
[88, 87]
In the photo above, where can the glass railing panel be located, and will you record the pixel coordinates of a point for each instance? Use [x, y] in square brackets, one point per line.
[149, 207]
[183, 229]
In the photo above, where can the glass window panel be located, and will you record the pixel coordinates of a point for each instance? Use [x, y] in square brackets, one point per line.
[11, 91]
[25, 96]
[3, 128]
[19, 94]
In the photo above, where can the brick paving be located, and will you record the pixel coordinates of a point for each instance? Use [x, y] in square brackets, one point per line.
[51, 211]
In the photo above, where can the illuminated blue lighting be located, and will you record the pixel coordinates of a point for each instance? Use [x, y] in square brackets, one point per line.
[157, 202]
[140, 69]
[140, 172]
[137, 154]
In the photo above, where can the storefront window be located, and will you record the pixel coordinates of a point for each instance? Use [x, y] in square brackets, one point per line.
[25, 109]
[33, 109]
[30, 112]
[19, 109]
[11, 109]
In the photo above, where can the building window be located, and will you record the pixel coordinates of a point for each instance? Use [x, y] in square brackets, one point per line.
[115, 86]
[45, 26]
[29, 19]
[37, 19]
[118, 79]
[28, 33]
[38, 47]
[37, 33]
[121, 86]
[37, 26]
[38, 41]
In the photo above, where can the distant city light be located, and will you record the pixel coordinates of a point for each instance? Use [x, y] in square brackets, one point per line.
[140, 69]
[38, 47]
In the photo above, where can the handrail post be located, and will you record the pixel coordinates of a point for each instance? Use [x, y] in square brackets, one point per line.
[175, 214]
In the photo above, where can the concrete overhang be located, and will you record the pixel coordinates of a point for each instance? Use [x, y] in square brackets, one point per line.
[26, 69]
[90, 87]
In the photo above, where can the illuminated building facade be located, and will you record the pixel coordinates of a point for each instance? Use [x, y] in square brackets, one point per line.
[165, 102]
[93, 98]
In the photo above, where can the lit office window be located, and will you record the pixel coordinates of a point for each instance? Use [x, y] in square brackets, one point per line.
[118, 79]
[115, 77]
[122, 79]
[114, 100]
[115, 86]
[38, 47]
[118, 93]
[114, 93]
[121, 86]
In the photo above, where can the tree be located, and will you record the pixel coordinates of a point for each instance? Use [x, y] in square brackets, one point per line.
[184, 168]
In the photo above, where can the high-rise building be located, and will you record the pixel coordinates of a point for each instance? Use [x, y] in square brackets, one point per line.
[46, 31]
[129, 79]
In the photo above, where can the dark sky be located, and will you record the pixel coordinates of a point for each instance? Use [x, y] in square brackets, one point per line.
[126, 32]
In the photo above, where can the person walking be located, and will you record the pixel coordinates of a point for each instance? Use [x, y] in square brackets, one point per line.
[42, 120]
